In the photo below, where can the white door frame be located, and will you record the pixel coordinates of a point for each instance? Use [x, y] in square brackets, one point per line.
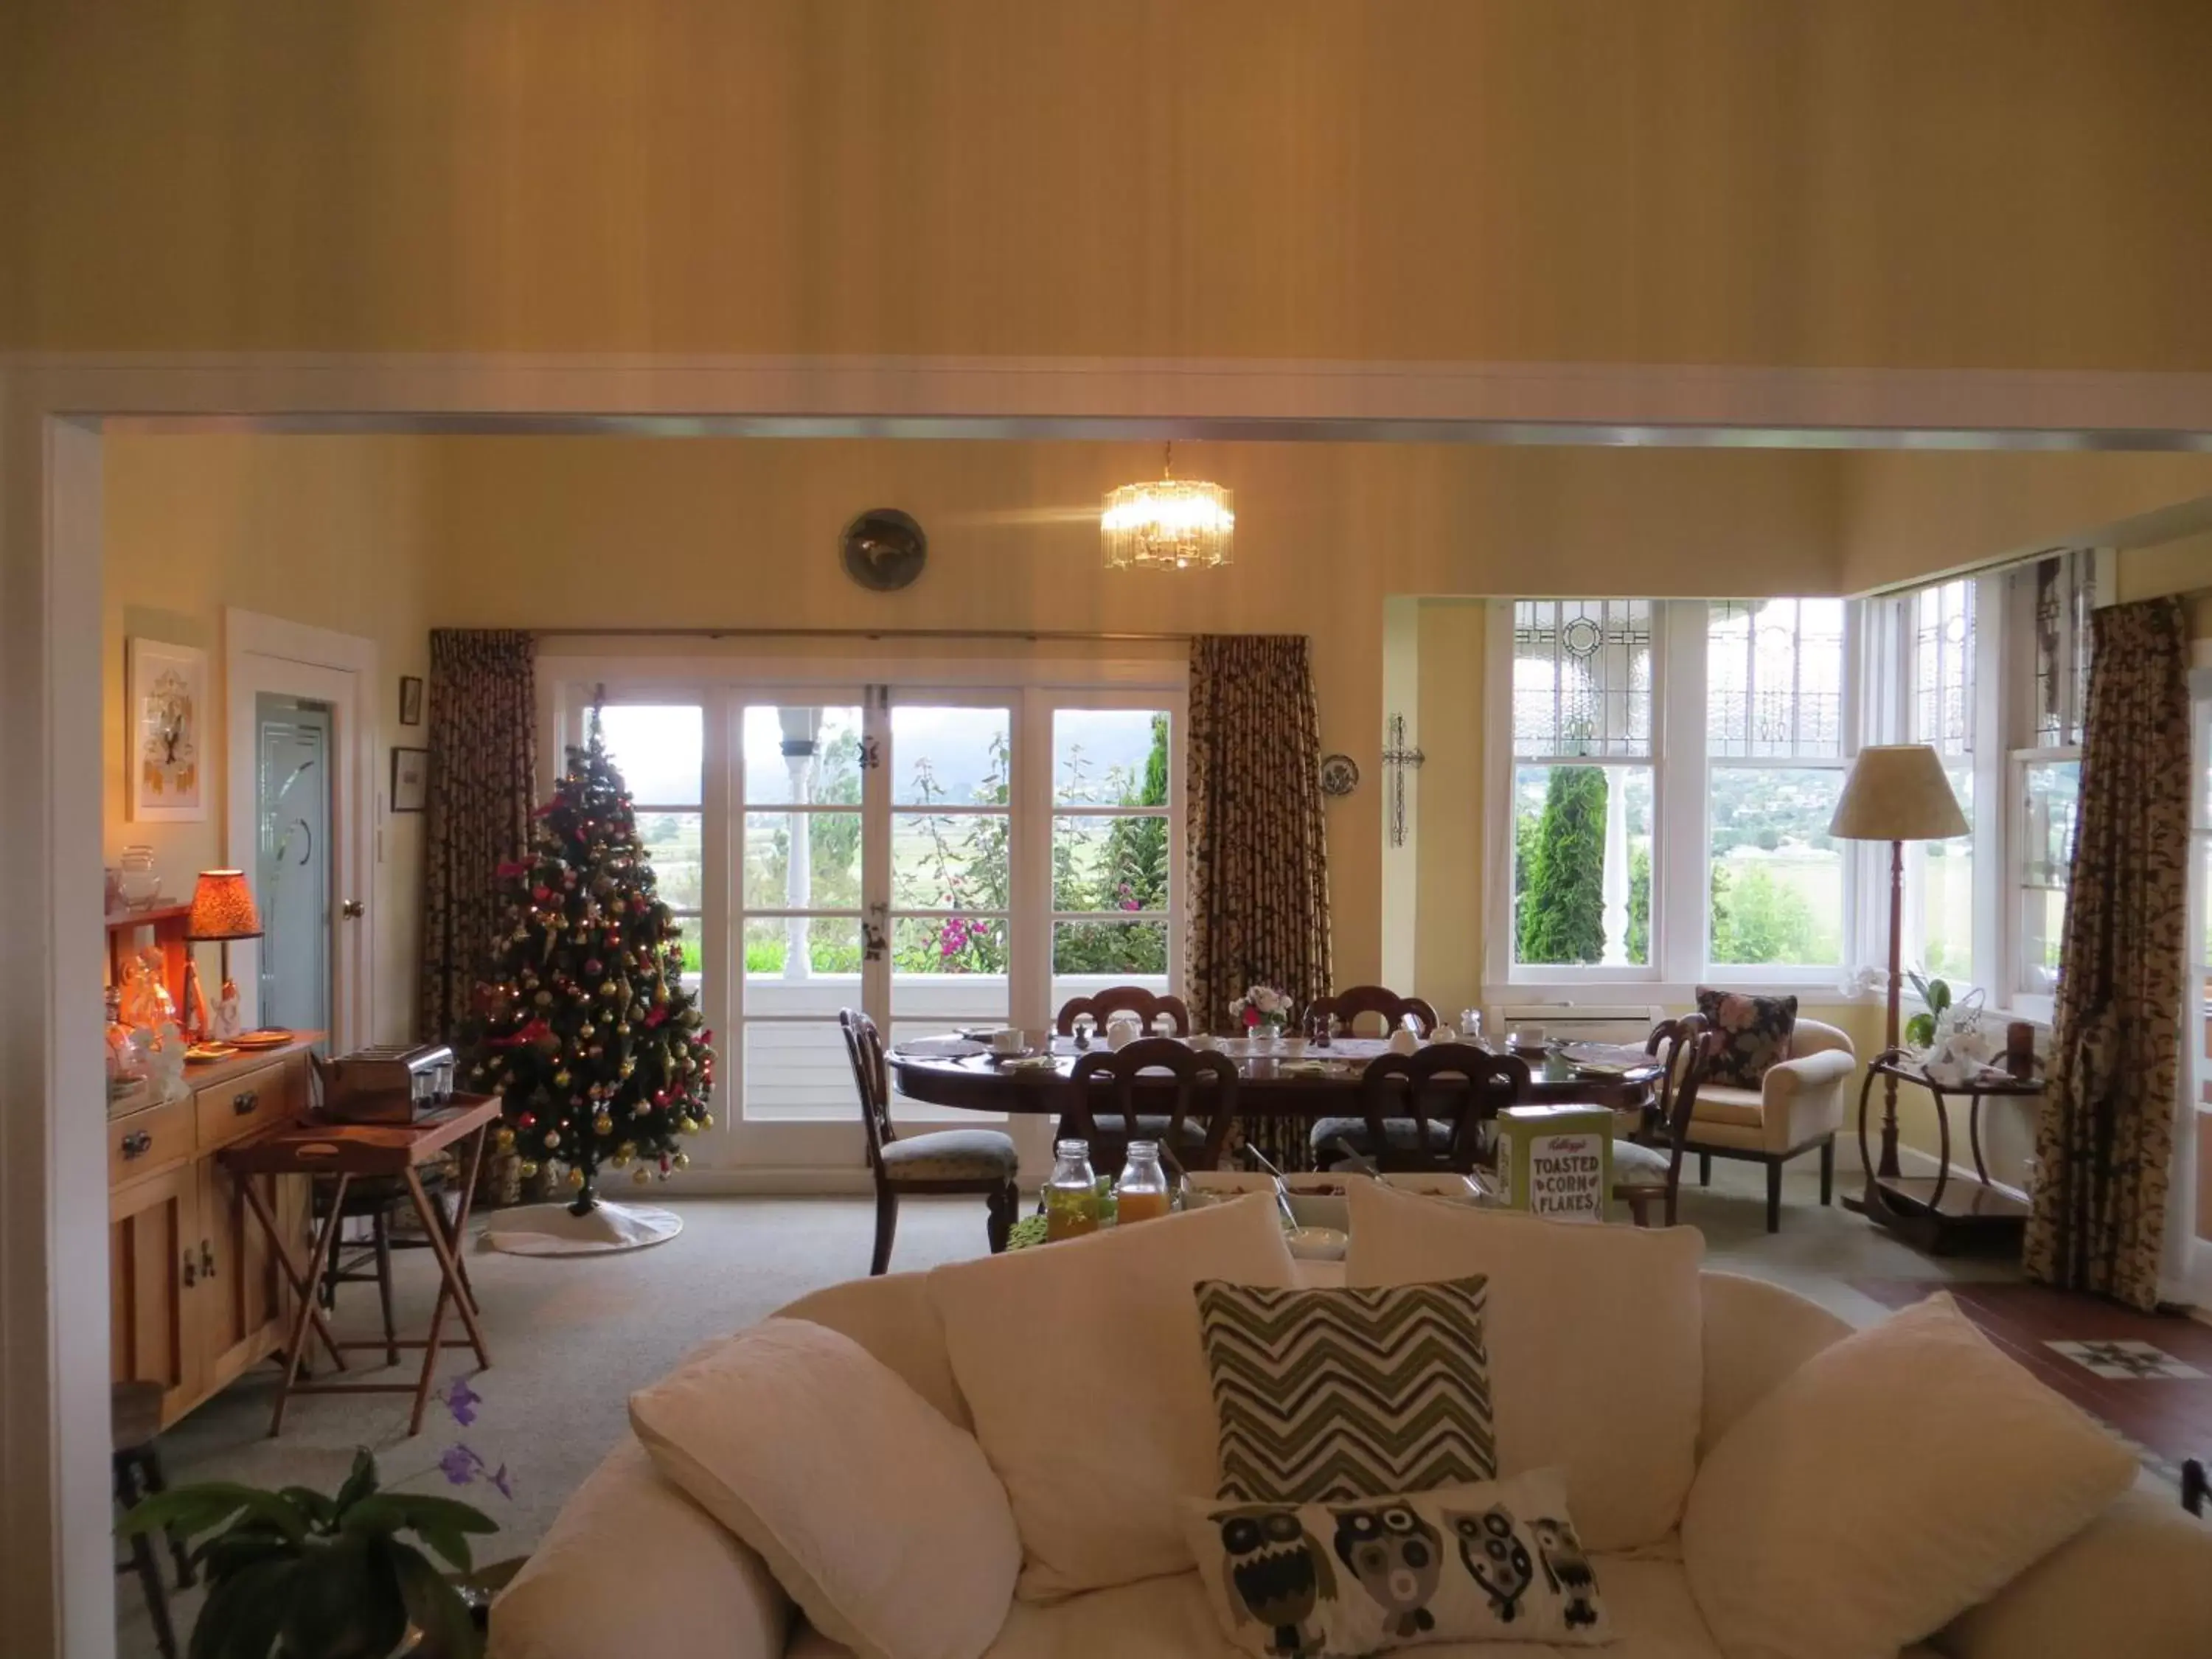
[57, 1588]
[269, 653]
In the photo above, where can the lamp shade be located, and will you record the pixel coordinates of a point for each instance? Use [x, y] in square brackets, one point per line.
[222, 908]
[1898, 792]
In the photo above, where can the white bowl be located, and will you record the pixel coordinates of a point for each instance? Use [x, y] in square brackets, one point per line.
[1316, 1243]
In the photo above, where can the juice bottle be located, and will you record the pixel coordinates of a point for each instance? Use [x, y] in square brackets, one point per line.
[1142, 1192]
[1071, 1196]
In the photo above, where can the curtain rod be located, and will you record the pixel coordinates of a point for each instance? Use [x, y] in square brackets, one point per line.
[1031, 634]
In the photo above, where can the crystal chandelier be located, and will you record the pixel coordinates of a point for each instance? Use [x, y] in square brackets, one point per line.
[1170, 525]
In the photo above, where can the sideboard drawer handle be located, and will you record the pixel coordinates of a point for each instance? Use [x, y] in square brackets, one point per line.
[245, 1103]
[138, 1144]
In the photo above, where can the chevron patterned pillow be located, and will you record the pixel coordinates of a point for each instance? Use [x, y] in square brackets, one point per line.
[1328, 1394]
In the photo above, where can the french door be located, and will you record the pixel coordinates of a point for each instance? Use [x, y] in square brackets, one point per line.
[940, 854]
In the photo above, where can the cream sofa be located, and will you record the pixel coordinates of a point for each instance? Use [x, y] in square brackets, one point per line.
[1798, 1106]
[632, 1567]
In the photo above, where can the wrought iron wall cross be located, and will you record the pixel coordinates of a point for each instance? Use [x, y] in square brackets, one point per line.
[1399, 758]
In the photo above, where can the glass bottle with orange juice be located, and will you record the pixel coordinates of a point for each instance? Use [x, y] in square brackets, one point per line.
[1141, 1194]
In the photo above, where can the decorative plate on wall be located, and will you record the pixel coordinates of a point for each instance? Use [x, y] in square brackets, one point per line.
[1340, 775]
[883, 549]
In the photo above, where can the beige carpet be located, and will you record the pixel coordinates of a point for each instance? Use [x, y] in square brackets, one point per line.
[571, 1337]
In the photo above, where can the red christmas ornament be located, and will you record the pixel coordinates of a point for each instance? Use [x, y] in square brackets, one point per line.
[527, 1121]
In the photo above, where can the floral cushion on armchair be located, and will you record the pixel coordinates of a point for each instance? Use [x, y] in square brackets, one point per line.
[1754, 1032]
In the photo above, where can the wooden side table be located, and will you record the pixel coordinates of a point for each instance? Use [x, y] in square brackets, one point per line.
[345, 1152]
[1935, 1213]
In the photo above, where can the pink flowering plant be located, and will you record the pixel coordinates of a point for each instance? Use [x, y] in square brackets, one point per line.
[1262, 1007]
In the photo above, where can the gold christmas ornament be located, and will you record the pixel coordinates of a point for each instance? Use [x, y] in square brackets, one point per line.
[683, 1160]
[505, 1139]
[575, 1177]
[640, 1174]
[603, 1125]
[706, 1120]
[527, 1169]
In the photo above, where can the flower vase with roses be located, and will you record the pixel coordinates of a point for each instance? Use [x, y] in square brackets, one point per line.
[1263, 1011]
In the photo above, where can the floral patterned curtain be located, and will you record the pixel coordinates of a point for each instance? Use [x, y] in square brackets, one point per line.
[483, 785]
[2106, 1142]
[1259, 861]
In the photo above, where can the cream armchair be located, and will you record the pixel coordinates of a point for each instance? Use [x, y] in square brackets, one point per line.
[1799, 1106]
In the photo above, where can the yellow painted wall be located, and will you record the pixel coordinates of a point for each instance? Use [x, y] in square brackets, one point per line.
[545, 532]
[1997, 183]
[319, 531]
[1905, 515]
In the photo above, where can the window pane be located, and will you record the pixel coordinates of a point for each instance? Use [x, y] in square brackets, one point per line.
[949, 944]
[657, 746]
[950, 860]
[1778, 876]
[1944, 873]
[1105, 953]
[1582, 676]
[2061, 599]
[1109, 863]
[1774, 677]
[949, 756]
[1109, 758]
[1943, 668]
[1582, 863]
[2051, 792]
[827, 875]
[686, 935]
[797, 1069]
[671, 844]
[799, 753]
[797, 951]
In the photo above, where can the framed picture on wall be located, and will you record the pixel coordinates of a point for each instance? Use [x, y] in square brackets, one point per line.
[410, 699]
[410, 779]
[167, 700]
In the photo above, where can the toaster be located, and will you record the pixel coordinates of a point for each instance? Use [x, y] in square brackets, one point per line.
[393, 1083]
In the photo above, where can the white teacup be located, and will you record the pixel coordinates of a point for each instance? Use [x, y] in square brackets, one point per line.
[1403, 1041]
[1008, 1040]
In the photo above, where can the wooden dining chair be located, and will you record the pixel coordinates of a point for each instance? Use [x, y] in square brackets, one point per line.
[1378, 1000]
[948, 1161]
[1191, 1136]
[1647, 1169]
[1422, 1113]
[1123, 998]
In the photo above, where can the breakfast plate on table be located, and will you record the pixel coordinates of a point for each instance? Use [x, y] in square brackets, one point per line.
[269, 1038]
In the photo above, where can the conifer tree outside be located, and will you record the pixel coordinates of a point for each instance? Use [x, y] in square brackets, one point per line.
[584, 1030]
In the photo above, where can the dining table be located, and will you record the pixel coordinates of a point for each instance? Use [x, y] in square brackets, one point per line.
[961, 1070]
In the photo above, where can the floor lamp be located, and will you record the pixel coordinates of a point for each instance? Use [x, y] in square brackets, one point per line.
[1896, 793]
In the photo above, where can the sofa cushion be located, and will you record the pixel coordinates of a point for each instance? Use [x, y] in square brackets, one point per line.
[1491, 1562]
[1337, 1393]
[1893, 1481]
[1594, 1341]
[1082, 1369]
[1716, 1103]
[1755, 1033]
[882, 1520]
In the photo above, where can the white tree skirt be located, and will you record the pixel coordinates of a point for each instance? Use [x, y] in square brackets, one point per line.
[551, 1230]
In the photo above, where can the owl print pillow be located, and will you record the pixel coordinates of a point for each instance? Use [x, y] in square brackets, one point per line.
[1497, 1561]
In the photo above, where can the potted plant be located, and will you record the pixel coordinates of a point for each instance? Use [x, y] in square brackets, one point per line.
[1936, 994]
[299, 1574]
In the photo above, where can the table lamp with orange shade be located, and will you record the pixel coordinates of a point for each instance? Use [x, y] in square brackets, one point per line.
[223, 910]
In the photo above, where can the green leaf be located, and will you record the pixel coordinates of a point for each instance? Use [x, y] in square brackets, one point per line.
[228, 1553]
[361, 1482]
[335, 1608]
[435, 1606]
[316, 1506]
[207, 1504]
[241, 1616]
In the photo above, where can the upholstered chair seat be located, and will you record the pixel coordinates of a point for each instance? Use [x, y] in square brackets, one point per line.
[951, 1155]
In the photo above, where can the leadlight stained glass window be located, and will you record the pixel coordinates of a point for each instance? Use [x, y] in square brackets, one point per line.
[1943, 668]
[1774, 678]
[1581, 677]
[2064, 587]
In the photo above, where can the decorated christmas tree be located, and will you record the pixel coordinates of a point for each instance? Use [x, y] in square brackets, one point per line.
[586, 1029]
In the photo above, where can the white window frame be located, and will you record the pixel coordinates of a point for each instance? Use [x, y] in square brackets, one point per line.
[803, 1147]
[1826, 974]
[1501, 762]
[1681, 861]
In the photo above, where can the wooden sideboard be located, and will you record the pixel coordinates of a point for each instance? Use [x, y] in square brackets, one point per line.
[196, 1297]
